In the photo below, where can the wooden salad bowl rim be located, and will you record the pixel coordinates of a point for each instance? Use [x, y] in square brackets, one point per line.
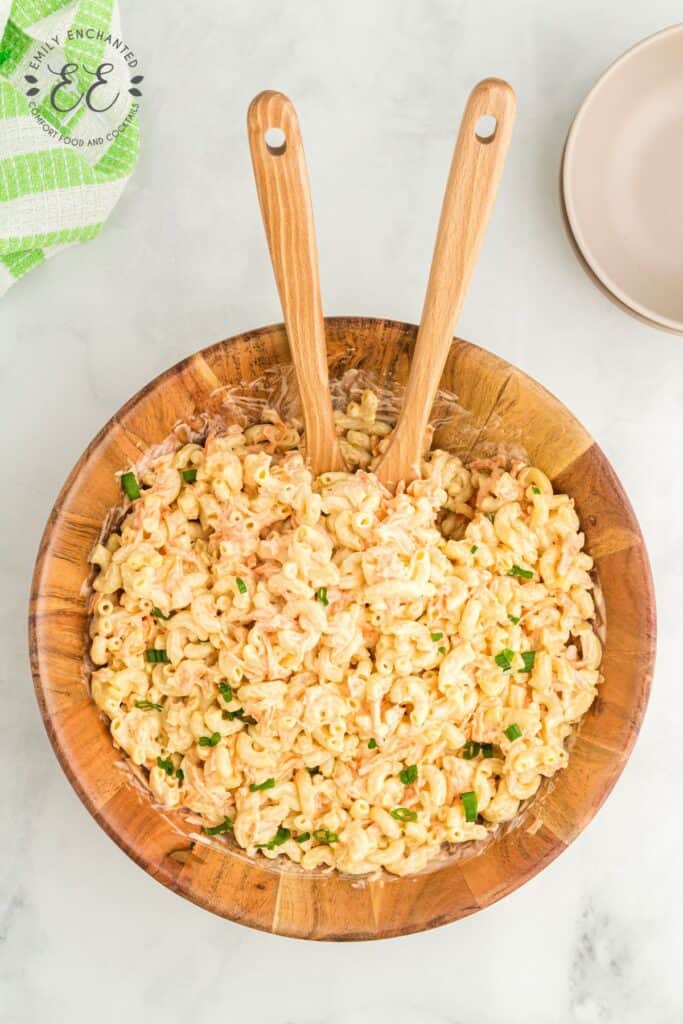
[498, 403]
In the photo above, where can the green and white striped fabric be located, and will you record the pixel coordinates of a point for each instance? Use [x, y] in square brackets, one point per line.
[52, 194]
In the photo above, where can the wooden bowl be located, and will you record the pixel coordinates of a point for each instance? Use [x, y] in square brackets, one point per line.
[498, 404]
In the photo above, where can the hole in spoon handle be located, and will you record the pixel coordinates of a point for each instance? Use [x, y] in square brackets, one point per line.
[486, 127]
[275, 140]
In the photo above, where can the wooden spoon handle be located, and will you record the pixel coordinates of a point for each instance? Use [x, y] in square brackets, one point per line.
[471, 189]
[285, 200]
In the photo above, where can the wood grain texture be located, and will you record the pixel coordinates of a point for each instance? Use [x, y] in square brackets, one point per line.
[496, 403]
[471, 189]
[287, 211]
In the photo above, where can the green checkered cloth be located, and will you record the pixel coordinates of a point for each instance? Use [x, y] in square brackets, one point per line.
[53, 194]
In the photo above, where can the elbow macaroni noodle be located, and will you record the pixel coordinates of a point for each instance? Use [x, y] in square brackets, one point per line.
[363, 658]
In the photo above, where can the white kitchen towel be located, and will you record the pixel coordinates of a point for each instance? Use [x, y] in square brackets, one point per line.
[64, 158]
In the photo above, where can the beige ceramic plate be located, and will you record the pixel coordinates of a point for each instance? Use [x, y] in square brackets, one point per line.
[596, 280]
[622, 179]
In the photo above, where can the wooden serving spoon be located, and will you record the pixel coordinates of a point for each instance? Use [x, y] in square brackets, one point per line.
[471, 189]
[285, 200]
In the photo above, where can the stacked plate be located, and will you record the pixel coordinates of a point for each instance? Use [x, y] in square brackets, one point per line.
[622, 181]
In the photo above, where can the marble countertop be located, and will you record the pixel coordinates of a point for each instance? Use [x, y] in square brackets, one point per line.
[84, 933]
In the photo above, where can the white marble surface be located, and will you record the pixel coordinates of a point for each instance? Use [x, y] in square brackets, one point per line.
[84, 933]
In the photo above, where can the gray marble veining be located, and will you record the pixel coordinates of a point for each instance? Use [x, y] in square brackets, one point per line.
[379, 84]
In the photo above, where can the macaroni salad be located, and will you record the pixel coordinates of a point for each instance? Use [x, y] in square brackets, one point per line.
[330, 672]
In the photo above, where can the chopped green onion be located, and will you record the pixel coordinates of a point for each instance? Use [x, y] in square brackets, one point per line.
[490, 516]
[303, 837]
[487, 749]
[155, 654]
[241, 585]
[321, 595]
[247, 719]
[189, 475]
[513, 732]
[130, 485]
[525, 574]
[536, 490]
[226, 691]
[441, 650]
[469, 802]
[256, 787]
[147, 705]
[471, 750]
[436, 636]
[210, 741]
[323, 835]
[313, 771]
[403, 814]
[180, 775]
[372, 744]
[528, 657]
[514, 619]
[474, 549]
[158, 614]
[225, 826]
[166, 766]
[408, 774]
[280, 837]
[504, 659]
